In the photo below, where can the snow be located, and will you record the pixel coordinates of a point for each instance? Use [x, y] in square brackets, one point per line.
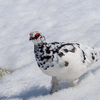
[63, 21]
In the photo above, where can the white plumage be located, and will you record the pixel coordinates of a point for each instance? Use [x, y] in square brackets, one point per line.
[63, 61]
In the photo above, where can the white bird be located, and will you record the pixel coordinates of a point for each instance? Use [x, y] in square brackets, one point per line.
[63, 61]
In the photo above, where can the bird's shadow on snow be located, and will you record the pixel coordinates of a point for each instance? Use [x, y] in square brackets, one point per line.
[34, 92]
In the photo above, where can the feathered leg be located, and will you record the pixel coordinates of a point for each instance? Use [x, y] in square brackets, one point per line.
[74, 83]
[54, 85]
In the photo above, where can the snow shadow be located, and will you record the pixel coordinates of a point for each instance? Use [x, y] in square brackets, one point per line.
[93, 71]
[34, 92]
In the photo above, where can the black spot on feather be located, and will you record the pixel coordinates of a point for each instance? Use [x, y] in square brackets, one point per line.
[73, 50]
[93, 57]
[61, 54]
[84, 57]
[45, 57]
[66, 63]
[47, 50]
[66, 50]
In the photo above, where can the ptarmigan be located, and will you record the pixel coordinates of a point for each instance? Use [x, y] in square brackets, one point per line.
[62, 61]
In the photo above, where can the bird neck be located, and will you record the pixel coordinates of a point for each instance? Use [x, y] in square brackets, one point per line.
[39, 46]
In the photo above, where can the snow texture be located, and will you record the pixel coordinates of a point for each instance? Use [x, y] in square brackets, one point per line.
[58, 20]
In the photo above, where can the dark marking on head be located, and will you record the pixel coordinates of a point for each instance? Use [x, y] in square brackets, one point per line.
[61, 54]
[36, 37]
[66, 63]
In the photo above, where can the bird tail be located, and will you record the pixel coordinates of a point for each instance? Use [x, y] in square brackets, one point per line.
[97, 54]
[93, 55]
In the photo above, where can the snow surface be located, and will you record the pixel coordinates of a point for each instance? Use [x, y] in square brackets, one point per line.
[58, 20]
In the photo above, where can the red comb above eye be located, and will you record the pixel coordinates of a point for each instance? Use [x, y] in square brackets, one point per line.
[37, 34]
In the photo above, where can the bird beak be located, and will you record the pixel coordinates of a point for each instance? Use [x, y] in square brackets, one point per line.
[31, 38]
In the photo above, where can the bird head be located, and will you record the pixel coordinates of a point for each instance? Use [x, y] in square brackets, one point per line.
[37, 38]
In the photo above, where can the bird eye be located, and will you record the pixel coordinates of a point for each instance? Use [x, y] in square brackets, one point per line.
[37, 34]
